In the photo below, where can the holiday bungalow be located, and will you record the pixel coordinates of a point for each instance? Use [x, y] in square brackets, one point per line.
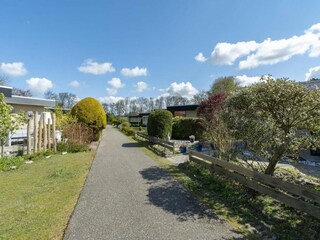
[25, 104]
[188, 111]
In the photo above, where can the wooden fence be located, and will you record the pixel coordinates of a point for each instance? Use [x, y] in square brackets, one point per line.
[293, 195]
[161, 142]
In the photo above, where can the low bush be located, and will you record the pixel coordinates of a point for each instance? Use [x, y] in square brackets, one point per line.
[8, 163]
[160, 123]
[78, 134]
[62, 147]
[72, 147]
[129, 131]
[38, 155]
[119, 120]
[125, 125]
[182, 128]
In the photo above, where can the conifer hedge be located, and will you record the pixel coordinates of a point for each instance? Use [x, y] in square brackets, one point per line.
[160, 123]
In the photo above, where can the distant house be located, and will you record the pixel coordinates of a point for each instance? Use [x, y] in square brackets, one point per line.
[311, 84]
[26, 104]
[189, 111]
[139, 119]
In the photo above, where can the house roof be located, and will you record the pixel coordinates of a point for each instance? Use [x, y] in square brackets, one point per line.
[312, 83]
[139, 115]
[182, 108]
[144, 114]
[31, 101]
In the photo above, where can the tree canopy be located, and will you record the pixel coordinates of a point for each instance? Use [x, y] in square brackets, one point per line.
[272, 117]
[224, 85]
[216, 130]
[8, 122]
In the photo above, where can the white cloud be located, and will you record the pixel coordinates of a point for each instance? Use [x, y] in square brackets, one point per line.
[244, 80]
[75, 84]
[89, 66]
[111, 91]
[200, 57]
[183, 89]
[274, 51]
[38, 86]
[141, 86]
[313, 73]
[110, 99]
[134, 72]
[116, 83]
[227, 53]
[15, 69]
[267, 52]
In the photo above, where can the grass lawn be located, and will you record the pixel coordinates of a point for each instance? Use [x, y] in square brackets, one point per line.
[37, 199]
[256, 216]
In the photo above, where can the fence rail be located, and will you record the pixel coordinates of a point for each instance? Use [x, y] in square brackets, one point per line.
[293, 195]
[161, 142]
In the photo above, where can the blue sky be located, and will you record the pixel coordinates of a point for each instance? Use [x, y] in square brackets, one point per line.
[113, 49]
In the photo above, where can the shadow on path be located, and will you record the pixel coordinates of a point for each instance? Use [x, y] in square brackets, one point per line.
[168, 194]
[130, 145]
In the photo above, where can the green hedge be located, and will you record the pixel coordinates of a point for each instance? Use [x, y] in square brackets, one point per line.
[160, 123]
[90, 112]
[129, 131]
[182, 128]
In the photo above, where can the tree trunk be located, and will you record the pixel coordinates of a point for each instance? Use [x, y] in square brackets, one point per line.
[271, 167]
[2, 148]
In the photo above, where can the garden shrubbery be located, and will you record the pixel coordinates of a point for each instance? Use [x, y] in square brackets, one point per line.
[6, 163]
[90, 112]
[182, 128]
[160, 124]
[78, 136]
[129, 131]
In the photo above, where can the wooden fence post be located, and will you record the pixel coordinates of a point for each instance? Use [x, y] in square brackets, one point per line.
[54, 132]
[44, 132]
[29, 136]
[49, 133]
[40, 135]
[173, 148]
[35, 133]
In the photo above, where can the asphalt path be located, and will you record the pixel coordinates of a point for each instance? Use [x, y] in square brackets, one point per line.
[127, 196]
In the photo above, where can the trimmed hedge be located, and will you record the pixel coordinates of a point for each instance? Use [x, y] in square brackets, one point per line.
[182, 128]
[160, 123]
[90, 112]
[129, 131]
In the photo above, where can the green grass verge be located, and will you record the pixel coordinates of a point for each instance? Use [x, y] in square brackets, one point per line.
[37, 199]
[256, 216]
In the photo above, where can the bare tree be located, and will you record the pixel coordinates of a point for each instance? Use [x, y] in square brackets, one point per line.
[21, 92]
[200, 97]
[63, 99]
[3, 80]
[50, 95]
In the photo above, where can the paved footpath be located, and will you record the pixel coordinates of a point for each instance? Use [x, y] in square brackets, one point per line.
[127, 196]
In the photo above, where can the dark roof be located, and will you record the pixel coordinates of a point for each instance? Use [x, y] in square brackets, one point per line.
[144, 114]
[133, 116]
[182, 108]
[140, 115]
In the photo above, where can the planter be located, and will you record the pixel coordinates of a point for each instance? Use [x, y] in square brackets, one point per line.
[183, 149]
[199, 148]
